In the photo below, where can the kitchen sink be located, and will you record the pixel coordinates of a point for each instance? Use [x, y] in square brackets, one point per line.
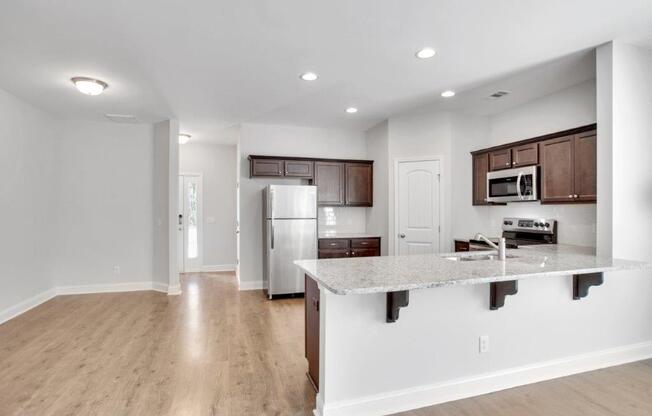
[477, 257]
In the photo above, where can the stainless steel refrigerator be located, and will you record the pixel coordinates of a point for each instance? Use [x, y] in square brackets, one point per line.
[289, 234]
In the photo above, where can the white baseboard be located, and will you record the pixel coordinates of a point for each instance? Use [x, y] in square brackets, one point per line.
[107, 288]
[22, 307]
[160, 287]
[429, 395]
[247, 285]
[218, 268]
[174, 290]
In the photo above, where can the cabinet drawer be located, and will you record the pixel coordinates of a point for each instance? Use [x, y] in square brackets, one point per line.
[333, 243]
[365, 243]
[365, 252]
[336, 253]
[462, 246]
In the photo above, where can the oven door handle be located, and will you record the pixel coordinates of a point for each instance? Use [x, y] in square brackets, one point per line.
[518, 185]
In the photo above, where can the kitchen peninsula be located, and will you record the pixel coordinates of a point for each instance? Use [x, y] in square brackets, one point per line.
[402, 332]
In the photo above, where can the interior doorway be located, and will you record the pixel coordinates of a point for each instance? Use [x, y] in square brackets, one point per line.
[417, 206]
[190, 246]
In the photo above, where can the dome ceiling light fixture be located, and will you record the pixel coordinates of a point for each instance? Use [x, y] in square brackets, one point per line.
[89, 86]
[426, 53]
[351, 110]
[309, 76]
[184, 138]
[448, 94]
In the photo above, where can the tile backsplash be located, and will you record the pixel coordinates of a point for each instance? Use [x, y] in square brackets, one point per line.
[342, 219]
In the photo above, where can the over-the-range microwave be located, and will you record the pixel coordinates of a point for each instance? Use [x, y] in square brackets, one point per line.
[513, 185]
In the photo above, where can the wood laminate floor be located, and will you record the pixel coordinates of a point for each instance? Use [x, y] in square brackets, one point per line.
[216, 351]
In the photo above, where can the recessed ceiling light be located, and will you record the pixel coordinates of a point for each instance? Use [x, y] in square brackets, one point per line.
[448, 94]
[184, 138]
[89, 86]
[309, 76]
[426, 53]
[351, 110]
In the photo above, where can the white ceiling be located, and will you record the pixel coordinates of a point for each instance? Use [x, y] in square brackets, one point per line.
[213, 64]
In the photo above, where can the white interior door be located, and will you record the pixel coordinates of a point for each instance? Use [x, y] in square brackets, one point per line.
[190, 198]
[417, 206]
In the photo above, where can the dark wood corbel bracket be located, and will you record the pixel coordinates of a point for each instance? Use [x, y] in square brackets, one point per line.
[396, 301]
[500, 290]
[582, 283]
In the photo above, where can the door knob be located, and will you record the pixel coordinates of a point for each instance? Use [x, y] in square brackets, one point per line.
[402, 235]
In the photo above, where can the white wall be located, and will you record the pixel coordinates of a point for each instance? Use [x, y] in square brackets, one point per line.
[377, 150]
[217, 164]
[262, 139]
[104, 204]
[625, 73]
[27, 192]
[420, 133]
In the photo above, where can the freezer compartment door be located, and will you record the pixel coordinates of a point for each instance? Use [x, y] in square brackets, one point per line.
[289, 240]
[291, 201]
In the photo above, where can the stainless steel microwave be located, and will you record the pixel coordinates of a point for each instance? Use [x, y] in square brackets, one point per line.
[513, 185]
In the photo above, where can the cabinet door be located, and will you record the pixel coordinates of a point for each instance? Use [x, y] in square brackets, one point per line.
[557, 171]
[525, 155]
[500, 159]
[299, 168]
[266, 167]
[359, 184]
[329, 178]
[585, 167]
[312, 329]
[480, 169]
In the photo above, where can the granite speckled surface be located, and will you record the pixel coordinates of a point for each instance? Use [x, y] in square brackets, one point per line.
[392, 273]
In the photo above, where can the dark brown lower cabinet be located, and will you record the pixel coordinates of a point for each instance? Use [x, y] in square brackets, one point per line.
[312, 330]
[332, 248]
[462, 246]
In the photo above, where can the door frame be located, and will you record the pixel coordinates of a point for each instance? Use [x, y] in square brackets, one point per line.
[397, 162]
[200, 224]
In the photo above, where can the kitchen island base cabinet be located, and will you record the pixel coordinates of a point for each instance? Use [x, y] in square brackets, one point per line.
[312, 330]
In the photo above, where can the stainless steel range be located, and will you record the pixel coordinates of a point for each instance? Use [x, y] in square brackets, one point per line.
[526, 231]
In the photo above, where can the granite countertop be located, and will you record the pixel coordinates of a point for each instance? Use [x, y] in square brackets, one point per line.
[393, 273]
[333, 234]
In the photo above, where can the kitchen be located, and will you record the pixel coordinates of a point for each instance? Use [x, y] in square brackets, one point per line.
[540, 187]
[326, 208]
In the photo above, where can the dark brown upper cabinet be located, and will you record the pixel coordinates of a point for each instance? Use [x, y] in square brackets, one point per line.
[329, 178]
[299, 168]
[525, 155]
[568, 169]
[567, 160]
[480, 169]
[359, 184]
[500, 159]
[267, 167]
[586, 174]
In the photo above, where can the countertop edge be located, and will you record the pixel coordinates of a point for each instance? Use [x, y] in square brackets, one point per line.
[467, 282]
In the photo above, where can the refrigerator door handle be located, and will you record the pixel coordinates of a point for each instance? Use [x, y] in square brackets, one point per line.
[271, 194]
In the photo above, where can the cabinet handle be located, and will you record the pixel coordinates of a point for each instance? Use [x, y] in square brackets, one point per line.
[353, 253]
[570, 196]
[577, 196]
[333, 244]
[507, 164]
[515, 163]
[364, 243]
[346, 253]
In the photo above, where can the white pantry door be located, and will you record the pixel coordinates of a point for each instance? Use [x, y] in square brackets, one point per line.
[190, 222]
[417, 206]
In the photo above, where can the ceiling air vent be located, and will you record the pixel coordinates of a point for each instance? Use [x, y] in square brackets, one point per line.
[122, 118]
[498, 94]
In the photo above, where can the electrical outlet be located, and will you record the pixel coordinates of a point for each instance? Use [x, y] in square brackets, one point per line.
[484, 344]
[116, 269]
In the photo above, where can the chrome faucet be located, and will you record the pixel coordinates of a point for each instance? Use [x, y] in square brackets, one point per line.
[501, 246]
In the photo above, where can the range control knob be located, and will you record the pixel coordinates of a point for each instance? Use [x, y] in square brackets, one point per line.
[547, 224]
[536, 224]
